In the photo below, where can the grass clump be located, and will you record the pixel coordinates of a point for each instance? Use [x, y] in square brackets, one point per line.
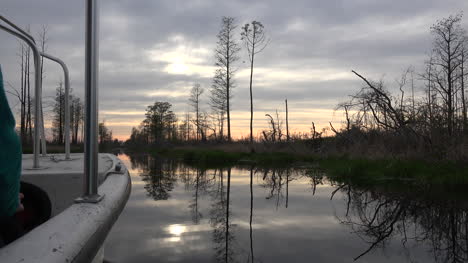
[410, 171]
[357, 170]
[215, 158]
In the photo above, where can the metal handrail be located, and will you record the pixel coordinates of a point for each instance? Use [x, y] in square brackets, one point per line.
[38, 89]
[17, 28]
[91, 160]
[90, 194]
[67, 104]
[42, 133]
[67, 93]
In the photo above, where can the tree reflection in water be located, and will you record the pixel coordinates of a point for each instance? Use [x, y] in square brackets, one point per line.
[219, 217]
[196, 181]
[377, 216]
[158, 174]
[251, 215]
[275, 179]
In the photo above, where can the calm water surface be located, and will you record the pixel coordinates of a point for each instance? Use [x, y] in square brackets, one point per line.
[177, 213]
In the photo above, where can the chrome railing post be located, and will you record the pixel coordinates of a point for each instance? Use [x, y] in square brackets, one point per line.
[67, 102]
[91, 159]
[43, 140]
[38, 87]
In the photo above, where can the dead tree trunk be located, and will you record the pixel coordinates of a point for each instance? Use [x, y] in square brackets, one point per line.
[287, 121]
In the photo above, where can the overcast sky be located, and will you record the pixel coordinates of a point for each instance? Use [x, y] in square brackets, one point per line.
[156, 50]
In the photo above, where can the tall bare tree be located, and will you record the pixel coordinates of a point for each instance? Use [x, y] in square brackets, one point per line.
[449, 38]
[23, 97]
[25, 93]
[194, 100]
[429, 89]
[76, 118]
[255, 40]
[58, 125]
[21, 93]
[463, 74]
[27, 86]
[287, 120]
[225, 56]
[43, 47]
[43, 39]
[218, 103]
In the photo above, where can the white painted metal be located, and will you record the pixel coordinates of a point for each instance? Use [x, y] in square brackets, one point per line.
[63, 179]
[37, 87]
[67, 102]
[91, 103]
[42, 138]
[78, 232]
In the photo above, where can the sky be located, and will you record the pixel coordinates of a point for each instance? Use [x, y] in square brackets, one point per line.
[156, 50]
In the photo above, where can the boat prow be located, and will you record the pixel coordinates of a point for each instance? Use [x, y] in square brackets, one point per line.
[76, 231]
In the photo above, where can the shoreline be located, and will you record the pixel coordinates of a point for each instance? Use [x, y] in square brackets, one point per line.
[365, 170]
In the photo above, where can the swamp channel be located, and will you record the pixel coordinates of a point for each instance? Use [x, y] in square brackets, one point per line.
[182, 213]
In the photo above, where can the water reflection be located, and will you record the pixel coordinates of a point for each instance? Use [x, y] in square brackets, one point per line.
[377, 217]
[197, 182]
[158, 174]
[301, 215]
[277, 182]
[252, 258]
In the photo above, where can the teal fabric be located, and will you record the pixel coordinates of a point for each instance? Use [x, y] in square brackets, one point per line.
[10, 157]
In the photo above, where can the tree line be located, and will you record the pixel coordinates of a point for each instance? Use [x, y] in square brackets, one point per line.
[436, 120]
[26, 102]
[429, 122]
[161, 123]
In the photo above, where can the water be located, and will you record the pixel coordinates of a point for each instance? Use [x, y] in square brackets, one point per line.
[177, 213]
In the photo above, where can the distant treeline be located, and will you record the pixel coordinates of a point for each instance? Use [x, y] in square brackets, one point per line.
[56, 104]
[435, 122]
[377, 122]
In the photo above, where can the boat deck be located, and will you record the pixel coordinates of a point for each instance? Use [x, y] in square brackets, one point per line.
[76, 232]
[62, 179]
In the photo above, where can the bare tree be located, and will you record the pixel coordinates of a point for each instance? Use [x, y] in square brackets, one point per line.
[43, 39]
[271, 134]
[287, 120]
[428, 77]
[58, 126]
[194, 101]
[25, 94]
[76, 120]
[22, 98]
[255, 40]
[218, 103]
[43, 47]
[377, 100]
[463, 74]
[27, 86]
[449, 38]
[275, 132]
[225, 55]
[184, 127]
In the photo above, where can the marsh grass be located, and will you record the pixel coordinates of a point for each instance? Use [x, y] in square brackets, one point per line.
[362, 171]
[219, 158]
[411, 173]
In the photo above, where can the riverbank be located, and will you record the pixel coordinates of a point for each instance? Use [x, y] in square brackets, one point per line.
[362, 170]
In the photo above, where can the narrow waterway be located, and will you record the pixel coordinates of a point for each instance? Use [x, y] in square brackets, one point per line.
[178, 213]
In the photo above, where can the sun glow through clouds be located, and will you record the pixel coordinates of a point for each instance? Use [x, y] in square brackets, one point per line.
[182, 57]
[177, 68]
[176, 229]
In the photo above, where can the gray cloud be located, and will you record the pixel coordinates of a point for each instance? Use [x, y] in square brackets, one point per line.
[310, 40]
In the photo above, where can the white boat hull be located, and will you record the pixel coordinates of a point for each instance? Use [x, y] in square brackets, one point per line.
[77, 232]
